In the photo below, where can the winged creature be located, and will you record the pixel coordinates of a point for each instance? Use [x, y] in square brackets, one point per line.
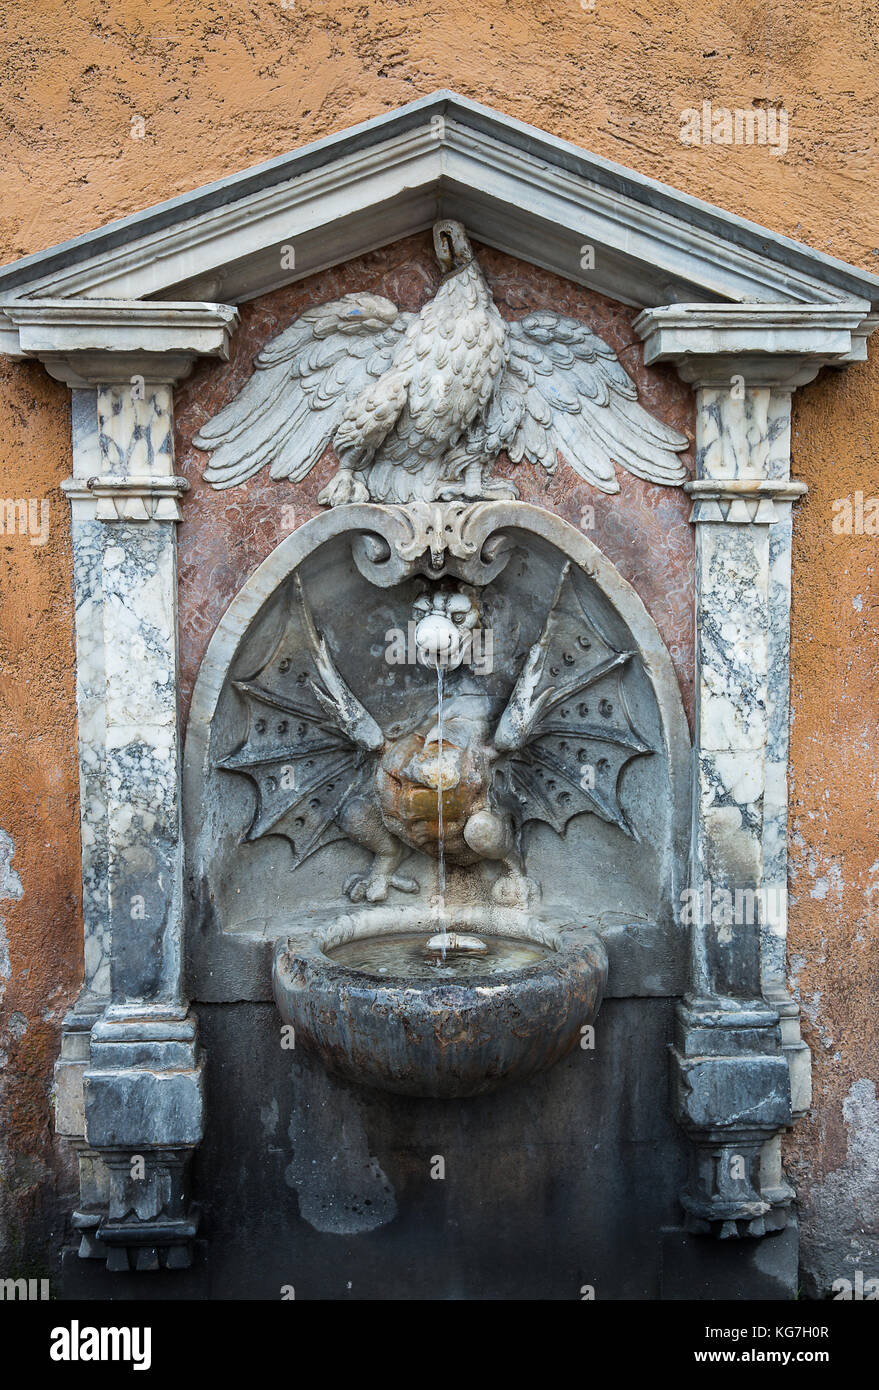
[324, 769]
[419, 405]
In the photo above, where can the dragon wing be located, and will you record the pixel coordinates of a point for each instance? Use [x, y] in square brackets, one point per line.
[308, 738]
[566, 734]
[289, 409]
[565, 394]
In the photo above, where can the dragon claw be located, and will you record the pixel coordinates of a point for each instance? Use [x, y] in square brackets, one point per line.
[403, 884]
[374, 887]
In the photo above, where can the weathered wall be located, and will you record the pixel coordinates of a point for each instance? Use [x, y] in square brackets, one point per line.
[218, 87]
[40, 924]
[834, 827]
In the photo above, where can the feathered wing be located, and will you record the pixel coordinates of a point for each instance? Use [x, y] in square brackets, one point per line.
[565, 393]
[303, 379]
[566, 735]
[309, 740]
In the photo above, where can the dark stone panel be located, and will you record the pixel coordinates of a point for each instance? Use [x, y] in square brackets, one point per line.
[719, 1270]
[565, 1181]
[90, 1280]
[550, 1185]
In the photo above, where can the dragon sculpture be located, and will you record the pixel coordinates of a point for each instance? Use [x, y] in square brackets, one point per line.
[324, 769]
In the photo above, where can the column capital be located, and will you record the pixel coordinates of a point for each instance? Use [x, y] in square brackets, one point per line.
[96, 342]
[782, 346]
[132, 498]
[741, 501]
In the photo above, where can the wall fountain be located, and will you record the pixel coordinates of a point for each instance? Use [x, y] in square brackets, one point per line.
[427, 785]
[413, 998]
[435, 778]
[380, 751]
[437, 819]
[439, 796]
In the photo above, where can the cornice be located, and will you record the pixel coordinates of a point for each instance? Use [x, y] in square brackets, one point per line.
[515, 187]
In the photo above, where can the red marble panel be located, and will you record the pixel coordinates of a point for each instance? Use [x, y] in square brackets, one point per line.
[643, 529]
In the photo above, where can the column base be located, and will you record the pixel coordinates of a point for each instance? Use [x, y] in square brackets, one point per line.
[733, 1097]
[144, 1110]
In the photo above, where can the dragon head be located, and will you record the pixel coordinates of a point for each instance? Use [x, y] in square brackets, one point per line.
[445, 619]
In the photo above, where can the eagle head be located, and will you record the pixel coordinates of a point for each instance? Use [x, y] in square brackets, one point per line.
[453, 250]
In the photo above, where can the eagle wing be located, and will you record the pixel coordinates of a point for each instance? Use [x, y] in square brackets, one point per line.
[290, 408]
[566, 734]
[565, 395]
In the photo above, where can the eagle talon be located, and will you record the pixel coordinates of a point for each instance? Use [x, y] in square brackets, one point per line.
[473, 485]
[499, 490]
[447, 489]
[344, 487]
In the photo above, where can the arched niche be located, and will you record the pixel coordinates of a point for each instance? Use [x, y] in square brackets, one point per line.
[360, 568]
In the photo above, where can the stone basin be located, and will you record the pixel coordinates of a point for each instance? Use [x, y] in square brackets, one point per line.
[377, 1009]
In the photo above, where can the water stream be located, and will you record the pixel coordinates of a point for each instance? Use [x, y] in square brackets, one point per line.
[446, 956]
[440, 900]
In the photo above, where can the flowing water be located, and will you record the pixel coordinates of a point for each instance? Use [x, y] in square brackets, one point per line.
[439, 903]
[407, 955]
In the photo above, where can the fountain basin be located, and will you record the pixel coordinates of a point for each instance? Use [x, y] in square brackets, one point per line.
[362, 1000]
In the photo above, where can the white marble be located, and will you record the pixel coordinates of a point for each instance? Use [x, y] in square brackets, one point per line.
[88, 540]
[135, 423]
[732, 570]
[715, 342]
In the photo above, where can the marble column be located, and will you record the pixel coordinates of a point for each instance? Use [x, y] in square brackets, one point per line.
[130, 1077]
[143, 1086]
[741, 1070]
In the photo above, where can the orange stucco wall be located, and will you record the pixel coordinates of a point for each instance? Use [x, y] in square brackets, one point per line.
[215, 87]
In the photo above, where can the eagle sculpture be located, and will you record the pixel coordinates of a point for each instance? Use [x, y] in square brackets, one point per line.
[419, 405]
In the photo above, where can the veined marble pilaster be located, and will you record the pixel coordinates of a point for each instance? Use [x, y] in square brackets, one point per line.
[741, 511]
[127, 672]
[741, 1068]
[129, 1079]
[741, 498]
[142, 760]
[88, 552]
[143, 1084]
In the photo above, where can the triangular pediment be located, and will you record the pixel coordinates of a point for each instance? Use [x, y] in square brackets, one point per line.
[516, 188]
